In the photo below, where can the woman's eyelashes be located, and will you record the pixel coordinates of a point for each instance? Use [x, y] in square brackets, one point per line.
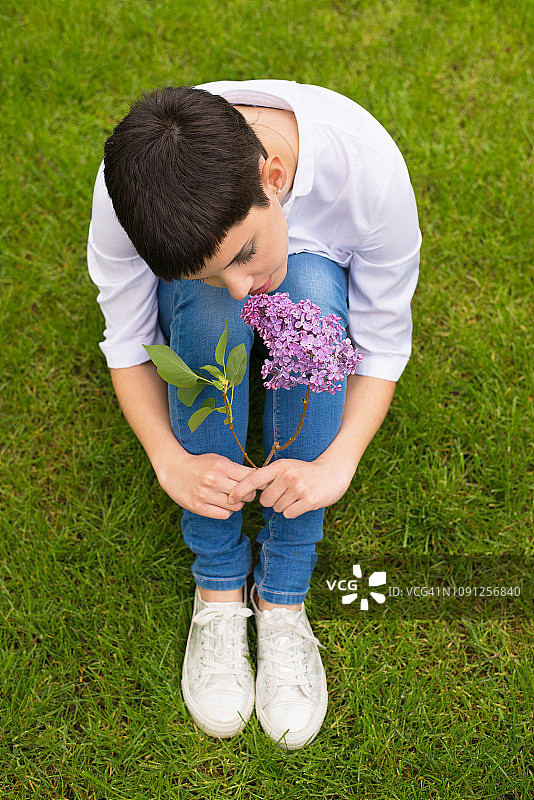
[243, 259]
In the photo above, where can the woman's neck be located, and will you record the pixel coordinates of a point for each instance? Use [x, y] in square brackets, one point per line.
[277, 130]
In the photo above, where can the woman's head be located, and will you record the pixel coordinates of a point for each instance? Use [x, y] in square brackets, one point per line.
[182, 169]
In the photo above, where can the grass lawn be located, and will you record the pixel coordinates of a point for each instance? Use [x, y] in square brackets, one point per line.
[95, 582]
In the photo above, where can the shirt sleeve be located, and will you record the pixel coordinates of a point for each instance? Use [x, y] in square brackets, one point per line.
[382, 279]
[127, 286]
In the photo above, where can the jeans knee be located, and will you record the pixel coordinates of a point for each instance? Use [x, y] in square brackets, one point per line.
[320, 280]
[193, 315]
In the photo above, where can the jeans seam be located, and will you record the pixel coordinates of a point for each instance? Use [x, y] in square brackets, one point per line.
[271, 518]
[177, 291]
[265, 551]
[275, 427]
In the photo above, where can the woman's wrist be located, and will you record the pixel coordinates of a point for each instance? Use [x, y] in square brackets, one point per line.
[166, 455]
[336, 460]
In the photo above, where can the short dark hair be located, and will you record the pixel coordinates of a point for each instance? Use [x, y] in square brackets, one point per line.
[181, 169]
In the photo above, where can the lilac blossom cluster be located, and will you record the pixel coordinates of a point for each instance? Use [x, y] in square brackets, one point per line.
[304, 347]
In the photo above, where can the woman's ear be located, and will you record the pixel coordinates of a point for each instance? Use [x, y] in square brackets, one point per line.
[273, 175]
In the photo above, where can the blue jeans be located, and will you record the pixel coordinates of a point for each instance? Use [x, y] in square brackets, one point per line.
[192, 316]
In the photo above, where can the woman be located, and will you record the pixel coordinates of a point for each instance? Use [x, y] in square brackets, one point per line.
[206, 195]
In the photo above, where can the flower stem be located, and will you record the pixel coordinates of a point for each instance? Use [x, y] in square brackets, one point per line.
[276, 447]
[229, 418]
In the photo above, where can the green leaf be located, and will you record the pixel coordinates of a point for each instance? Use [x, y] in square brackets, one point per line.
[221, 346]
[215, 371]
[171, 367]
[198, 417]
[209, 402]
[188, 396]
[237, 365]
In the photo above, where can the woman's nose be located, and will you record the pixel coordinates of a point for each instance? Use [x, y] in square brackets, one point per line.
[239, 286]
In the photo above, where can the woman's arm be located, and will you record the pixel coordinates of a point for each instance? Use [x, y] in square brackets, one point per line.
[293, 487]
[366, 404]
[198, 483]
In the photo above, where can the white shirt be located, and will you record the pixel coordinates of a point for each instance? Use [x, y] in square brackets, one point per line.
[351, 201]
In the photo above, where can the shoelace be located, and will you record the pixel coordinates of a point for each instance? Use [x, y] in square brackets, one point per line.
[221, 656]
[289, 658]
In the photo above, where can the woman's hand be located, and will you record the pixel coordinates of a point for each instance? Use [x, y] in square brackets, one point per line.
[293, 487]
[202, 483]
[199, 483]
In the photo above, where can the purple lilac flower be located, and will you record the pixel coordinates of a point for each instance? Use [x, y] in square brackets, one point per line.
[304, 347]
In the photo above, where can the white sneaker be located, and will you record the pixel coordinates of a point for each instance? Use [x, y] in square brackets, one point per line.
[291, 692]
[217, 679]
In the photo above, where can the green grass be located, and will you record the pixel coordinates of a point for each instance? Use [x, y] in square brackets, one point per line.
[96, 585]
